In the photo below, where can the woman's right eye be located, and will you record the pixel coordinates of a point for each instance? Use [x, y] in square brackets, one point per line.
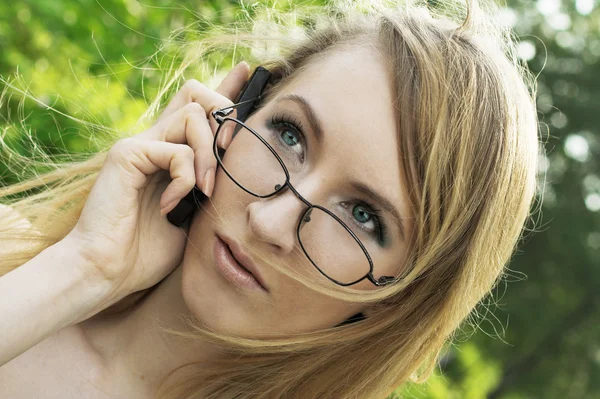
[290, 136]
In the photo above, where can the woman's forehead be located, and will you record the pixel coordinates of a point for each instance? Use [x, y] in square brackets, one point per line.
[350, 90]
[353, 81]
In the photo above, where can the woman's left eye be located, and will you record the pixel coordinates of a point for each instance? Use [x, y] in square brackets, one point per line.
[290, 137]
[368, 219]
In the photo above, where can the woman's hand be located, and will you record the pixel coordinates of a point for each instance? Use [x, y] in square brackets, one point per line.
[122, 233]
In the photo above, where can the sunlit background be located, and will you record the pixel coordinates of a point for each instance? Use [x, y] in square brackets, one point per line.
[539, 335]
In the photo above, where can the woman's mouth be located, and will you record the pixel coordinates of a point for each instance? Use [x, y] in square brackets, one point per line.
[232, 269]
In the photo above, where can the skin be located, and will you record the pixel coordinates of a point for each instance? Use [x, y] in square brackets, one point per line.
[351, 94]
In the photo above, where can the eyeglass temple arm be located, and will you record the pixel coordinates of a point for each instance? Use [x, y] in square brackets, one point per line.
[220, 114]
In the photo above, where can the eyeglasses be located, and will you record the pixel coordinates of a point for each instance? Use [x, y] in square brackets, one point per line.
[253, 164]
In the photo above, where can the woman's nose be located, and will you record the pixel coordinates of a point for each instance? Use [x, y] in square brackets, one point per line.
[274, 220]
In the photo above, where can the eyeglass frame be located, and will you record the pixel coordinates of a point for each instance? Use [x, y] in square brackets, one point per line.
[220, 116]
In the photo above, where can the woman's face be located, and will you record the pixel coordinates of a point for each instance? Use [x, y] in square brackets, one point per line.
[350, 96]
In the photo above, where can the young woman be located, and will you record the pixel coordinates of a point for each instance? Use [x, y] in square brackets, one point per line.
[356, 218]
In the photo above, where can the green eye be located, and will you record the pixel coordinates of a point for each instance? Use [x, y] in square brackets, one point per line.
[361, 215]
[289, 137]
[368, 219]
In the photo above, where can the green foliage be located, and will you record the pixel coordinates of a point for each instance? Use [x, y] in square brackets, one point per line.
[93, 60]
[470, 377]
[89, 60]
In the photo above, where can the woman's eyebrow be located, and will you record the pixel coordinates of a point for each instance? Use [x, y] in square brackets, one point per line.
[316, 127]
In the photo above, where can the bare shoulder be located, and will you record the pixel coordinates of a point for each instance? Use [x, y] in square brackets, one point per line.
[60, 366]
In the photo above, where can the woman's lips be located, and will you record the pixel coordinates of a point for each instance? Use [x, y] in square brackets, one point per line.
[238, 272]
[243, 259]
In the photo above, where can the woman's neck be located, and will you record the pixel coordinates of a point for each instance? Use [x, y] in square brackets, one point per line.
[133, 349]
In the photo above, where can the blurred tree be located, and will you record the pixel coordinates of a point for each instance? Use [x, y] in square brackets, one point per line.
[551, 347]
[555, 315]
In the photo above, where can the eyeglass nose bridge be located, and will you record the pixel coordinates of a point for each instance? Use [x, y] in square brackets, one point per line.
[279, 188]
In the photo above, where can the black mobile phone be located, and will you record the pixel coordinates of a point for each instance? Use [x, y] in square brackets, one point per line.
[253, 88]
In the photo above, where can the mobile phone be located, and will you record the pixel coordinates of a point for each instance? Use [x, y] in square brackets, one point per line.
[253, 88]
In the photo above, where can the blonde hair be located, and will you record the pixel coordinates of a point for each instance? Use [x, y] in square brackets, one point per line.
[467, 130]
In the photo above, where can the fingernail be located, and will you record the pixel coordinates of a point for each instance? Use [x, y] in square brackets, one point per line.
[209, 180]
[243, 62]
[222, 140]
[224, 136]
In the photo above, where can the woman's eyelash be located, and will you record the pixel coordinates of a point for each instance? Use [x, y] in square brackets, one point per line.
[382, 232]
[381, 227]
[288, 121]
